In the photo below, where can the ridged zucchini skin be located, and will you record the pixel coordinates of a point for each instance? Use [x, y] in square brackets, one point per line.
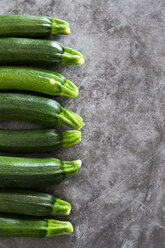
[20, 172]
[25, 51]
[34, 203]
[37, 80]
[26, 226]
[31, 26]
[37, 140]
[36, 109]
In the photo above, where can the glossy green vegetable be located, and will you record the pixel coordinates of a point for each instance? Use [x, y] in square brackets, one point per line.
[24, 51]
[25, 226]
[37, 140]
[29, 172]
[35, 79]
[31, 202]
[31, 26]
[36, 109]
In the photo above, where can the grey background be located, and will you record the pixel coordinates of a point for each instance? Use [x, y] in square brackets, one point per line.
[118, 197]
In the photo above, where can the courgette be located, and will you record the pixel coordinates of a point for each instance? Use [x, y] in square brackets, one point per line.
[32, 203]
[37, 140]
[25, 51]
[20, 172]
[26, 226]
[37, 109]
[31, 26]
[36, 79]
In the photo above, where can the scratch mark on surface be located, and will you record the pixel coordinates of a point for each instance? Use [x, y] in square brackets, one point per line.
[162, 227]
[104, 196]
[139, 213]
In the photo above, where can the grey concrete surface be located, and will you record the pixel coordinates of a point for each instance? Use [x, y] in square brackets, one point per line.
[118, 197]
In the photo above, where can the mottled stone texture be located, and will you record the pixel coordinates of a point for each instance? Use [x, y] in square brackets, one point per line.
[118, 198]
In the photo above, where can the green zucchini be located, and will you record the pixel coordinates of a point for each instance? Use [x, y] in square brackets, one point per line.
[37, 109]
[37, 140]
[35, 79]
[31, 26]
[25, 51]
[26, 226]
[18, 172]
[32, 203]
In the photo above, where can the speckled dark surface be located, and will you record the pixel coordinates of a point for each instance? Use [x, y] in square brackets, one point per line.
[118, 198]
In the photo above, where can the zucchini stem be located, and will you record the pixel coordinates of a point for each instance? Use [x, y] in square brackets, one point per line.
[59, 27]
[71, 168]
[70, 138]
[70, 119]
[56, 228]
[61, 207]
[71, 57]
[69, 89]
